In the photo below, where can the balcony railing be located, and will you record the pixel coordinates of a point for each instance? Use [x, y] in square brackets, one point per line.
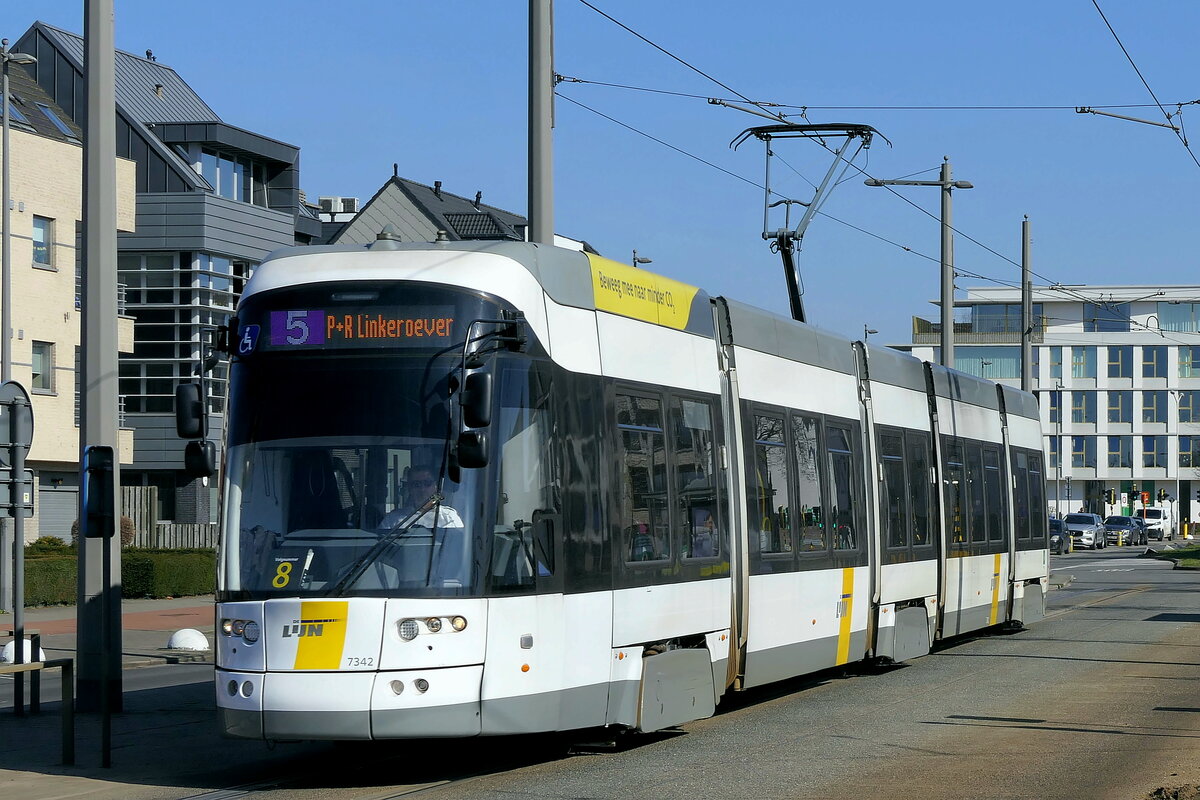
[927, 332]
[122, 291]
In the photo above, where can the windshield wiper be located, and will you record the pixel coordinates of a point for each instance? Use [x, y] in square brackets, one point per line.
[399, 529]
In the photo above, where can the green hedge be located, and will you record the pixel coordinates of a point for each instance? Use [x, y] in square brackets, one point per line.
[50, 578]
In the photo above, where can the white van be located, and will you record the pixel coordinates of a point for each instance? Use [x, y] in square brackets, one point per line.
[1159, 524]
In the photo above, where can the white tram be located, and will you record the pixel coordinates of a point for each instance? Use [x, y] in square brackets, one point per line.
[496, 488]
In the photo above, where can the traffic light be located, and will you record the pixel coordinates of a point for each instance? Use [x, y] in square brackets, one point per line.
[1133, 490]
[1110, 496]
[1145, 498]
[1162, 495]
[1198, 495]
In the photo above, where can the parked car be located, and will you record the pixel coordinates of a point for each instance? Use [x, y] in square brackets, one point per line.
[1060, 540]
[1124, 530]
[1158, 522]
[1086, 530]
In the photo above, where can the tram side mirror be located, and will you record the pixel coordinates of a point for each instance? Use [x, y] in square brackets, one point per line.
[477, 400]
[200, 459]
[189, 411]
[473, 449]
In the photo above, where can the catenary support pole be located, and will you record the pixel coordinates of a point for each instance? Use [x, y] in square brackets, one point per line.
[1026, 310]
[541, 121]
[947, 267]
[98, 595]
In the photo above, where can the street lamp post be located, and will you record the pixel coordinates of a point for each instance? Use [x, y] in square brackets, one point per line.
[7, 57]
[947, 186]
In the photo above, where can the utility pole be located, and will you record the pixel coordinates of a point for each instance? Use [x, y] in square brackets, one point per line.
[947, 186]
[99, 585]
[1026, 311]
[541, 121]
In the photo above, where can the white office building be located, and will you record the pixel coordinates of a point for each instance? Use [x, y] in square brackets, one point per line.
[1117, 373]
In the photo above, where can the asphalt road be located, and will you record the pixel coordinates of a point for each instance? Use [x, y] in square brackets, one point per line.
[1099, 700]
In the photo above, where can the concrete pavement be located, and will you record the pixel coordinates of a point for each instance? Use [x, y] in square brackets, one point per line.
[146, 625]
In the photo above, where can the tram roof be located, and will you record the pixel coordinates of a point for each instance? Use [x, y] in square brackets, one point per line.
[569, 277]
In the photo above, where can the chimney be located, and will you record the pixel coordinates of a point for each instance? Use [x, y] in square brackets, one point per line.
[437, 189]
[478, 197]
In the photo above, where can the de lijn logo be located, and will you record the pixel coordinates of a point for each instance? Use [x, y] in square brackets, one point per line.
[306, 627]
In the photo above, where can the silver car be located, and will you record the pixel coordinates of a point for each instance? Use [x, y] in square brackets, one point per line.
[1086, 530]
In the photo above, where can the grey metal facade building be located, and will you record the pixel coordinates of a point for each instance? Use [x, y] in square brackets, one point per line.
[212, 200]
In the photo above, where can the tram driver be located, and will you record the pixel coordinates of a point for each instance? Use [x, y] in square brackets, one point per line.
[417, 488]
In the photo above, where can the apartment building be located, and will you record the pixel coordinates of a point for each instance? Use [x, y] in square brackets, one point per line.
[46, 168]
[1117, 373]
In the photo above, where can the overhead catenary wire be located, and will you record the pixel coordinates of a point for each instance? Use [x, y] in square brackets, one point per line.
[764, 103]
[1145, 83]
[763, 106]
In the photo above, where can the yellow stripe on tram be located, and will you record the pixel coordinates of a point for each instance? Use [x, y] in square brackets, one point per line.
[845, 607]
[995, 591]
[322, 634]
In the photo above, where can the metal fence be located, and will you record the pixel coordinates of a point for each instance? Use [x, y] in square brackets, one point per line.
[140, 504]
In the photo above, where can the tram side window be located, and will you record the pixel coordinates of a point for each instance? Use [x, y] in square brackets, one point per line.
[770, 496]
[1037, 500]
[843, 512]
[891, 453]
[527, 514]
[806, 447]
[995, 497]
[699, 515]
[643, 478]
[1021, 494]
[918, 487]
[978, 524]
[953, 477]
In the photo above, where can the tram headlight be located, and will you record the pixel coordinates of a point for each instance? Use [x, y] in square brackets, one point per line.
[458, 623]
[434, 624]
[422, 685]
[238, 627]
[408, 629]
[251, 632]
[227, 627]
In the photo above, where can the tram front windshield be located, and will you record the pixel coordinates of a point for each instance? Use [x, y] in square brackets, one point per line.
[337, 481]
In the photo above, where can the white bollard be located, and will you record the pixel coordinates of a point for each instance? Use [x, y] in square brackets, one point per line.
[9, 653]
[187, 639]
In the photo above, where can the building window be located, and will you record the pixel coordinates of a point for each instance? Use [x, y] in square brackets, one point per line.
[1180, 317]
[1055, 362]
[1083, 362]
[43, 239]
[1154, 361]
[1189, 451]
[1106, 318]
[1002, 318]
[989, 362]
[1120, 361]
[1154, 406]
[58, 123]
[1053, 450]
[234, 177]
[1189, 362]
[1189, 406]
[1083, 451]
[42, 379]
[1154, 451]
[1120, 451]
[1083, 407]
[1120, 407]
[1055, 406]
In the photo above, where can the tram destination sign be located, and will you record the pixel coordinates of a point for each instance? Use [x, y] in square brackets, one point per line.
[342, 327]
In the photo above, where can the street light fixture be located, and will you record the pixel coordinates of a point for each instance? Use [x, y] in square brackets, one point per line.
[7, 57]
[867, 332]
[947, 186]
[641, 259]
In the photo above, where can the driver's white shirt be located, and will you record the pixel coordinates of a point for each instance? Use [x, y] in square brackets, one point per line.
[447, 517]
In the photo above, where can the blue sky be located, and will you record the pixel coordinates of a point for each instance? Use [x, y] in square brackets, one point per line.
[440, 89]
